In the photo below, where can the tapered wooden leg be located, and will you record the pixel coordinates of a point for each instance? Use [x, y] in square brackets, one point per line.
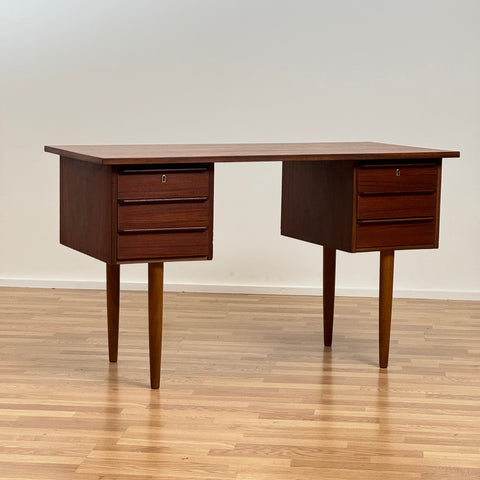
[155, 315]
[385, 304]
[113, 306]
[329, 260]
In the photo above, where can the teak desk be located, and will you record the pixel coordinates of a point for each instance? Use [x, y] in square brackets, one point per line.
[154, 204]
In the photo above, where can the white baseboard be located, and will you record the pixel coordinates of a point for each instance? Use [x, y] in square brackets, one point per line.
[242, 289]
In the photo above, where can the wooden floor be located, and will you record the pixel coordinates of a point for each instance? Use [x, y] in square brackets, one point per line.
[248, 391]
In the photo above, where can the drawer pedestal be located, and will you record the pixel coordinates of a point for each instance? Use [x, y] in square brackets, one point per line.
[362, 206]
[137, 215]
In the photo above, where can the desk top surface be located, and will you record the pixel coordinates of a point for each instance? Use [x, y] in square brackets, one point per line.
[244, 152]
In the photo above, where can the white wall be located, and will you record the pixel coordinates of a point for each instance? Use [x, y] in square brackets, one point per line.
[186, 71]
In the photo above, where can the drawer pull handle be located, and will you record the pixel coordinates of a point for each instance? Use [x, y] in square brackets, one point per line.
[127, 231]
[397, 173]
[130, 171]
[148, 201]
[398, 221]
[164, 179]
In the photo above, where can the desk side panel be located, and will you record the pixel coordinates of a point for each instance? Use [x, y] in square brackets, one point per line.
[86, 208]
[318, 202]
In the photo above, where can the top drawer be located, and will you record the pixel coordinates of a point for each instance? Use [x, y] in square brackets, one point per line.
[163, 183]
[372, 180]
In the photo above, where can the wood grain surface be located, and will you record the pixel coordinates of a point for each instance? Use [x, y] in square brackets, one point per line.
[244, 152]
[248, 391]
[318, 203]
[87, 208]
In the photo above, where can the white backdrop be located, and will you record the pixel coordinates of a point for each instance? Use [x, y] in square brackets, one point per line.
[212, 71]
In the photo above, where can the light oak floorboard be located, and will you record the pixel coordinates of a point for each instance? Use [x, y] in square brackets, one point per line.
[247, 390]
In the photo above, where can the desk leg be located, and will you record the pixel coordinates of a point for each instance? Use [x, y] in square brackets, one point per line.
[113, 306]
[385, 304]
[329, 258]
[155, 314]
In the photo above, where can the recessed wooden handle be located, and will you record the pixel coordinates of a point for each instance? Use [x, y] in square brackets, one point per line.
[164, 230]
[130, 171]
[146, 201]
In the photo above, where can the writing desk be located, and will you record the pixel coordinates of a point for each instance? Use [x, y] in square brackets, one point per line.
[154, 204]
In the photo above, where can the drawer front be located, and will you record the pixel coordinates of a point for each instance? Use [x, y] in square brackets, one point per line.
[163, 215]
[163, 183]
[396, 206]
[408, 233]
[397, 179]
[163, 245]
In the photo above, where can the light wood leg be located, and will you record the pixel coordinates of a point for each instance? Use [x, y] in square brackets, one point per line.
[113, 308]
[329, 260]
[385, 304]
[155, 315]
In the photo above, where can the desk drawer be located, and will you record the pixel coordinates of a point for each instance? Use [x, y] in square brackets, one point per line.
[397, 179]
[410, 232]
[163, 183]
[396, 206]
[135, 216]
[163, 245]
